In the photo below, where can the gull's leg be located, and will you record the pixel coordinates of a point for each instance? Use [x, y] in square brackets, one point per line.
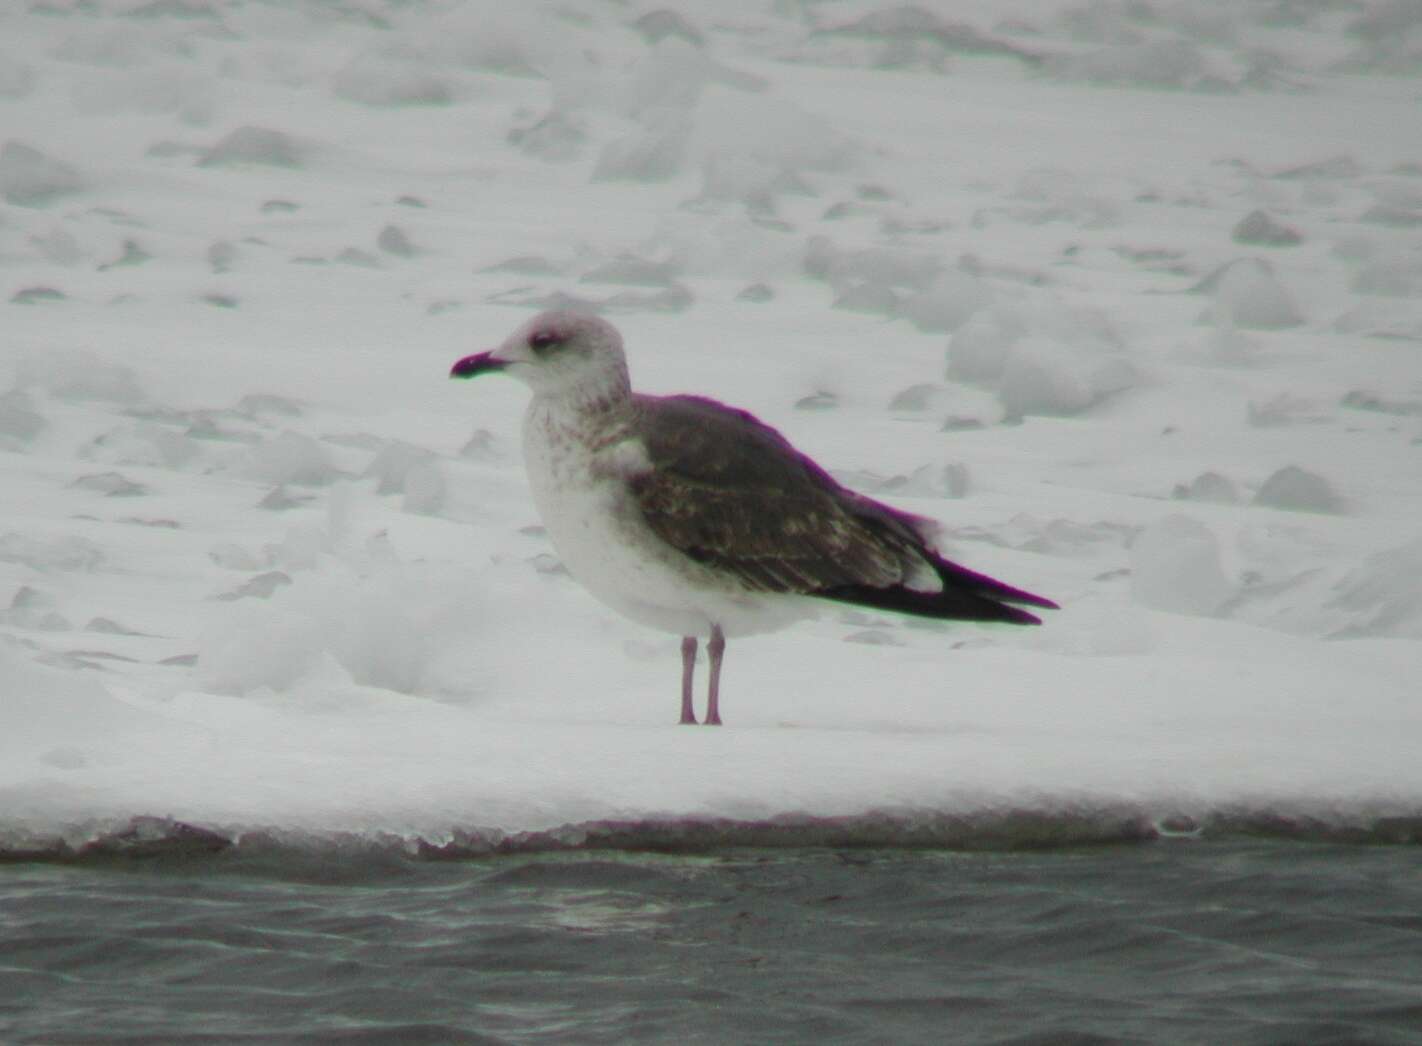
[715, 648]
[688, 669]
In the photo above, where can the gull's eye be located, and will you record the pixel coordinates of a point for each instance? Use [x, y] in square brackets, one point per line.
[538, 341]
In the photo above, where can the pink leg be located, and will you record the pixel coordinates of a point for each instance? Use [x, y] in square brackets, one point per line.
[688, 669]
[715, 648]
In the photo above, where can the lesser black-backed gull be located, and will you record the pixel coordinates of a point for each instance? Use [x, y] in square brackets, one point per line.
[693, 517]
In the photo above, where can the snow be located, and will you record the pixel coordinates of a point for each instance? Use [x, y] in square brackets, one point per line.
[1129, 296]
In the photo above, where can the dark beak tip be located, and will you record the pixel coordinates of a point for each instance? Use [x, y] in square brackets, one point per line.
[470, 366]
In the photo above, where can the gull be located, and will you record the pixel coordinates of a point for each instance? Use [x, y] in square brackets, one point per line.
[696, 518]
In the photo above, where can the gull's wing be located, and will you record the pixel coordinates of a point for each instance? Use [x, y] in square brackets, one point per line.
[730, 492]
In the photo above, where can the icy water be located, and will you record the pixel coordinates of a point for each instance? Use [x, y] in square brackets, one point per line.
[1174, 941]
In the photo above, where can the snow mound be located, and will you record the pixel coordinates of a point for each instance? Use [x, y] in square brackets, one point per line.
[559, 137]
[30, 178]
[904, 38]
[335, 629]
[375, 79]
[1248, 293]
[1043, 359]
[1159, 64]
[948, 302]
[1383, 596]
[49, 718]
[292, 458]
[1393, 272]
[253, 146]
[875, 279]
[1175, 566]
[1259, 229]
[17, 78]
[20, 422]
[1298, 490]
[60, 554]
[80, 375]
[1208, 486]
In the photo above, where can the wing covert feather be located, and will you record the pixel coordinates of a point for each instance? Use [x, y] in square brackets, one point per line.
[731, 492]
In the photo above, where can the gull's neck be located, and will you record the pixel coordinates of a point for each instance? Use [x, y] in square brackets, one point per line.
[590, 414]
[592, 402]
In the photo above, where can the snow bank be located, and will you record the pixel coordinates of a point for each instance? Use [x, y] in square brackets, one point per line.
[267, 576]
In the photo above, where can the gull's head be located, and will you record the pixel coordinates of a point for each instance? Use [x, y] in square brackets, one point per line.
[557, 353]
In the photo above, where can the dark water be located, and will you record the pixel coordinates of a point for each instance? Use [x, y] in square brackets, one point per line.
[1172, 941]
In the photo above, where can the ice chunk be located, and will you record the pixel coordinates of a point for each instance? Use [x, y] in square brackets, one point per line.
[1392, 272]
[292, 458]
[1258, 229]
[259, 646]
[221, 255]
[261, 586]
[1392, 215]
[31, 608]
[1285, 409]
[56, 553]
[37, 295]
[1249, 294]
[393, 464]
[253, 145]
[425, 489]
[1208, 486]
[1044, 376]
[1042, 359]
[1298, 490]
[1335, 168]
[388, 628]
[43, 707]
[17, 78]
[905, 37]
[143, 443]
[262, 405]
[673, 75]
[1175, 566]
[867, 297]
[58, 246]
[394, 240]
[557, 137]
[948, 302]
[889, 267]
[651, 153]
[357, 256]
[980, 347]
[19, 421]
[657, 25]
[81, 376]
[30, 178]
[1360, 399]
[373, 79]
[110, 484]
[1384, 594]
[1175, 64]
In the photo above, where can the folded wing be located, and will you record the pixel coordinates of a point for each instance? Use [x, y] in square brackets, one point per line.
[731, 492]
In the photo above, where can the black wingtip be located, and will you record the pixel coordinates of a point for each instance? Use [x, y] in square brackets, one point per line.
[949, 604]
[958, 577]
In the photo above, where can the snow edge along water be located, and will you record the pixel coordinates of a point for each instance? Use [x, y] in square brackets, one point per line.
[146, 837]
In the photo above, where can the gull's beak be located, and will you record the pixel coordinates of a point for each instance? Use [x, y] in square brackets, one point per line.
[479, 363]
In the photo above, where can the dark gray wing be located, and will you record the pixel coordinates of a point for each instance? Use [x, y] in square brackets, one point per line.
[729, 491]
